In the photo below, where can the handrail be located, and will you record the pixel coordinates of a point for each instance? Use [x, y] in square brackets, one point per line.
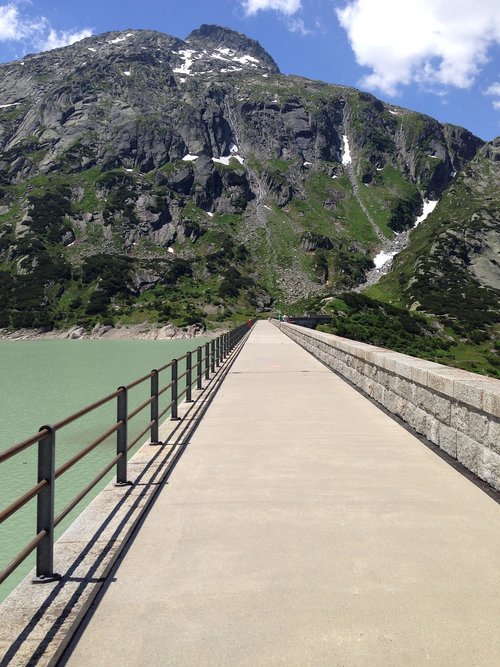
[21, 446]
[85, 411]
[86, 450]
[198, 368]
[22, 500]
[22, 555]
[79, 497]
[137, 382]
[138, 437]
[165, 388]
[164, 412]
[140, 407]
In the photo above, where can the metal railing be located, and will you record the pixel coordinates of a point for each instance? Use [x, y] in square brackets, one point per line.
[200, 363]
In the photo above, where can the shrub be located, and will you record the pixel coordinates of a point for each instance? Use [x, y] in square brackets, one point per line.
[404, 212]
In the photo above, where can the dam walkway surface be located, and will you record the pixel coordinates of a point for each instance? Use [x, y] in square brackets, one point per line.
[303, 526]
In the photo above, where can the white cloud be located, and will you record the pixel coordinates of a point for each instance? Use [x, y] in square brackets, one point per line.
[494, 91]
[287, 7]
[15, 26]
[298, 25]
[442, 42]
[55, 40]
[320, 26]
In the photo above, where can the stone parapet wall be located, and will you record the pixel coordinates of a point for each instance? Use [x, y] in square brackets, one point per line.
[454, 409]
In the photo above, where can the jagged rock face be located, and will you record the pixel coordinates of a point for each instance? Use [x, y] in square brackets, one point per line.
[427, 152]
[115, 100]
[200, 151]
[492, 150]
[480, 228]
[140, 99]
[452, 268]
[232, 49]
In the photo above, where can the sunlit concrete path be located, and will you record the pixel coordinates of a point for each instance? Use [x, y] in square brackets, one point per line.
[303, 526]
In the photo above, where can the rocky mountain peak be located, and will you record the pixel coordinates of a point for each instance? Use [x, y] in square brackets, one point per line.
[224, 43]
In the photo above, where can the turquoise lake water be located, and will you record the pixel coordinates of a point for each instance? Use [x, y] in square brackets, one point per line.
[42, 382]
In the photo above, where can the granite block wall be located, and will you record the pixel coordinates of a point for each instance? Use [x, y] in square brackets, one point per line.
[456, 410]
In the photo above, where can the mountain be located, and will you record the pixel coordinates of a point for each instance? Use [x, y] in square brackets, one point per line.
[146, 177]
[451, 269]
[440, 301]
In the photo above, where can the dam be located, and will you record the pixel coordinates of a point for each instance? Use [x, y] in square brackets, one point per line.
[299, 512]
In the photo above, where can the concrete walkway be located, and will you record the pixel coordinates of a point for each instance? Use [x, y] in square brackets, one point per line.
[303, 526]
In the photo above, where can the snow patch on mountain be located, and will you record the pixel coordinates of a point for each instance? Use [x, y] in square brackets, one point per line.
[229, 57]
[187, 56]
[247, 60]
[382, 258]
[212, 60]
[429, 206]
[346, 155]
[117, 40]
[226, 159]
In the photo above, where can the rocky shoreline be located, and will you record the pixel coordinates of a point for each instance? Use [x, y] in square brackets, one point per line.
[143, 331]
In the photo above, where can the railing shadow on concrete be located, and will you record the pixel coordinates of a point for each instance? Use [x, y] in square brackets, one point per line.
[130, 503]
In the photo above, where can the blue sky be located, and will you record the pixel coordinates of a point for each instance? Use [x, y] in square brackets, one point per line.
[440, 57]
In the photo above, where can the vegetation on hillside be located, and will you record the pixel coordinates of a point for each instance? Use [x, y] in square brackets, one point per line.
[361, 318]
[450, 269]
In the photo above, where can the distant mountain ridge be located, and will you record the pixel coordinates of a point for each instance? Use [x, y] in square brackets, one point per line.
[143, 176]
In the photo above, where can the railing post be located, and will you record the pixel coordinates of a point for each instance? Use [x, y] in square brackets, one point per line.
[45, 507]
[155, 439]
[207, 361]
[189, 377]
[174, 416]
[212, 346]
[122, 436]
[199, 352]
[217, 351]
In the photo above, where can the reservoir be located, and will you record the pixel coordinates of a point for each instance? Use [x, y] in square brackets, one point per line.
[43, 381]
